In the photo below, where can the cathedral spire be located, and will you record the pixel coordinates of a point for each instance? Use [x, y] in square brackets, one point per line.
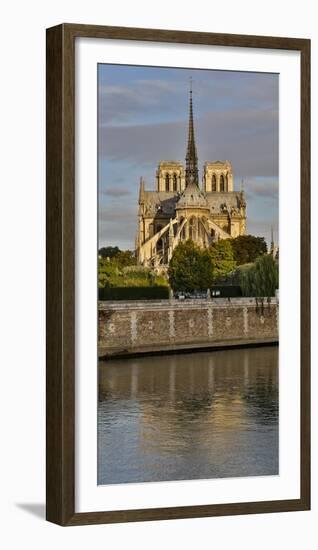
[191, 173]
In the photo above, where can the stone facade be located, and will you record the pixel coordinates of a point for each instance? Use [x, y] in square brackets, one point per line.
[218, 177]
[133, 327]
[170, 177]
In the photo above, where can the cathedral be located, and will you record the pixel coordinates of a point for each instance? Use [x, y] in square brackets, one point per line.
[179, 209]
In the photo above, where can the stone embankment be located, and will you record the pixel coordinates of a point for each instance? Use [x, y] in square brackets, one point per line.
[135, 327]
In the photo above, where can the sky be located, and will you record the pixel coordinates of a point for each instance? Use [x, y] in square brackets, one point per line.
[143, 119]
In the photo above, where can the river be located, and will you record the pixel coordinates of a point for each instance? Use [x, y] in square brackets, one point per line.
[188, 416]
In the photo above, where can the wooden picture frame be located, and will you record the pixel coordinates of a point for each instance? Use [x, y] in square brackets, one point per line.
[60, 334]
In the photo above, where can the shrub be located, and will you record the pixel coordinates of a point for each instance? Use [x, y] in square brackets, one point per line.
[134, 293]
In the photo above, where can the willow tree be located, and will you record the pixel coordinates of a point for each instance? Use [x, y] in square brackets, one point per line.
[260, 280]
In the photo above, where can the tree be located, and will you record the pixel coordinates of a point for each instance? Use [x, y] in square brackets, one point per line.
[108, 251]
[190, 268]
[106, 271]
[124, 258]
[262, 279]
[247, 248]
[120, 258]
[112, 275]
[222, 258]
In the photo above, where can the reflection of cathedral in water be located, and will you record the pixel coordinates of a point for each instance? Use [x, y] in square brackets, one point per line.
[198, 381]
[179, 209]
[188, 416]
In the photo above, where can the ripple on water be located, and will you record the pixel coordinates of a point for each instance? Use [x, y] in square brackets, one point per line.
[191, 416]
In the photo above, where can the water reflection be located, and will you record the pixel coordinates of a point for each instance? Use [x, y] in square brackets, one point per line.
[191, 416]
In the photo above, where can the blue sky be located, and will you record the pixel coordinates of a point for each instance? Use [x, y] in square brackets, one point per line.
[143, 118]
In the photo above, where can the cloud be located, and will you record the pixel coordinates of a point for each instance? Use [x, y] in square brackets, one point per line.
[118, 212]
[128, 95]
[226, 91]
[123, 104]
[115, 192]
[117, 225]
[265, 188]
[262, 228]
[248, 138]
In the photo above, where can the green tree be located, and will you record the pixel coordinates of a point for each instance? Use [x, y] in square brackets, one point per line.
[107, 271]
[222, 258]
[190, 268]
[124, 258]
[108, 251]
[262, 279]
[120, 258]
[246, 248]
[112, 275]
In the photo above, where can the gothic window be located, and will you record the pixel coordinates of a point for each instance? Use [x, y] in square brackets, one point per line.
[167, 182]
[222, 183]
[183, 233]
[192, 229]
[160, 245]
[175, 182]
[213, 183]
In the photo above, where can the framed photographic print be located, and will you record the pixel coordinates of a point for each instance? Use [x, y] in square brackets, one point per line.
[178, 286]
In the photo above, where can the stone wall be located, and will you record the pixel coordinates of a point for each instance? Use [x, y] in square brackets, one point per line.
[141, 326]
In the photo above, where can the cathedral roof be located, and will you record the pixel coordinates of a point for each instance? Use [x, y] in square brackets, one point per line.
[165, 203]
[216, 201]
[160, 202]
[192, 197]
